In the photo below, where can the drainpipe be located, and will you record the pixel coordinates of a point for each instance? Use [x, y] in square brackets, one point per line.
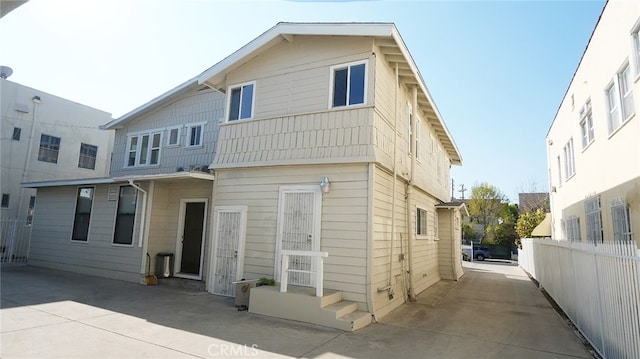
[408, 193]
[389, 287]
[27, 161]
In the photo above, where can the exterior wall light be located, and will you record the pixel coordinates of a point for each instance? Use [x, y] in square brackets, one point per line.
[324, 185]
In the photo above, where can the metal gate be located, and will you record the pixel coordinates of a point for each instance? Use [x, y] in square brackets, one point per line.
[299, 229]
[228, 254]
[15, 241]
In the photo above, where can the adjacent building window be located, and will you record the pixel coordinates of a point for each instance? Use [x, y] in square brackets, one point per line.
[16, 133]
[348, 84]
[621, 220]
[83, 214]
[88, 154]
[32, 206]
[241, 101]
[569, 162]
[593, 219]
[559, 172]
[572, 228]
[635, 40]
[620, 99]
[421, 222]
[194, 135]
[174, 136]
[125, 216]
[586, 124]
[49, 148]
[410, 134]
[144, 149]
[6, 197]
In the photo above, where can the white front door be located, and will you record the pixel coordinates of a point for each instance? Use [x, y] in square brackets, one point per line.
[228, 252]
[191, 234]
[299, 229]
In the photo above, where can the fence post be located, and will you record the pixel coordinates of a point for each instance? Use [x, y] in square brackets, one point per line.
[284, 273]
[12, 239]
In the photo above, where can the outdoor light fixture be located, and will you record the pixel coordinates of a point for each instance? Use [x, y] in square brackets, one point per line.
[324, 184]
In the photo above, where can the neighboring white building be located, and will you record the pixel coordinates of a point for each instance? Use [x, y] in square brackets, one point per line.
[46, 137]
[593, 145]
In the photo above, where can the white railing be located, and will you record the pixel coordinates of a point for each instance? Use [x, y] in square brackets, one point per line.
[14, 240]
[597, 286]
[316, 257]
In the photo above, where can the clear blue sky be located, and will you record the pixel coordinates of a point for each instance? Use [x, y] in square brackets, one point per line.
[497, 70]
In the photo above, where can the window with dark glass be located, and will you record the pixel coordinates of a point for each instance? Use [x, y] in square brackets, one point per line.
[144, 149]
[16, 133]
[32, 206]
[241, 102]
[49, 148]
[125, 216]
[83, 214]
[348, 85]
[88, 154]
[421, 222]
[5, 200]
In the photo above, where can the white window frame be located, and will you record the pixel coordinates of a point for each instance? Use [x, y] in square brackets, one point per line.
[179, 133]
[621, 221]
[241, 86]
[619, 99]
[348, 66]
[593, 219]
[150, 149]
[410, 127]
[188, 140]
[586, 124]
[571, 226]
[75, 213]
[422, 232]
[559, 172]
[48, 149]
[569, 160]
[32, 206]
[635, 47]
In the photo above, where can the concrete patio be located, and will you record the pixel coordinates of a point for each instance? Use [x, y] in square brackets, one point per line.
[495, 311]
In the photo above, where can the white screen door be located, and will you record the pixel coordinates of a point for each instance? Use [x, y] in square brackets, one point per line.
[228, 254]
[299, 229]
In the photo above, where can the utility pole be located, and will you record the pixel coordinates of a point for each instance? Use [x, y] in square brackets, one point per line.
[462, 190]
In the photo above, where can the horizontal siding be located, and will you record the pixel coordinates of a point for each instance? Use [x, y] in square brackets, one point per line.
[51, 244]
[196, 106]
[343, 221]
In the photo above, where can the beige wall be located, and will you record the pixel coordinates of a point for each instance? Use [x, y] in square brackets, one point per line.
[610, 165]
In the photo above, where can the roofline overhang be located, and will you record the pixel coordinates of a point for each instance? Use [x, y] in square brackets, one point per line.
[121, 179]
[455, 205]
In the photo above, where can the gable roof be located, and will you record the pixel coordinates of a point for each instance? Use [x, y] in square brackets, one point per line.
[387, 38]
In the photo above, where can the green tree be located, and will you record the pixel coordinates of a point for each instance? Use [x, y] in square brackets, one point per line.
[504, 233]
[468, 234]
[527, 222]
[485, 206]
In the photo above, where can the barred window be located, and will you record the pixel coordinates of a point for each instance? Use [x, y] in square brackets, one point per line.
[593, 219]
[621, 221]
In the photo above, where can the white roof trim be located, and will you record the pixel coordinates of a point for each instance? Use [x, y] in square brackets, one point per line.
[93, 181]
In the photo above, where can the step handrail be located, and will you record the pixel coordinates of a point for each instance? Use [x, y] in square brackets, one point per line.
[315, 256]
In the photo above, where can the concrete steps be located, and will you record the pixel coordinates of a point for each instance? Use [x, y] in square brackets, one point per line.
[301, 304]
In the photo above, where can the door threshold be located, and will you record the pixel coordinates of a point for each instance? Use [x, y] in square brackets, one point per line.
[187, 276]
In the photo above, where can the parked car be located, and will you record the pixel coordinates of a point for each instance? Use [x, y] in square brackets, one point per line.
[481, 253]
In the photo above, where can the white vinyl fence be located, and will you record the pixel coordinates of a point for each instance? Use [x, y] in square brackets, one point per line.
[14, 241]
[597, 286]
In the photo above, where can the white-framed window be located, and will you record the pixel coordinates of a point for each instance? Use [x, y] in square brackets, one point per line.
[49, 148]
[410, 127]
[418, 134]
[586, 124]
[621, 220]
[593, 219]
[32, 206]
[143, 149]
[241, 101]
[620, 99]
[6, 200]
[195, 133]
[87, 158]
[569, 161]
[571, 227]
[559, 172]
[436, 235]
[125, 216]
[421, 222]
[173, 135]
[635, 46]
[348, 84]
[82, 217]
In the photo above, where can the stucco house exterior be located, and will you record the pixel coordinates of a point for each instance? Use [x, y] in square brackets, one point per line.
[319, 137]
[592, 145]
[46, 137]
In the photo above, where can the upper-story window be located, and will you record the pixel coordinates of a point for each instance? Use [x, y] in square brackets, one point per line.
[16, 133]
[569, 161]
[173, 139]
[49, 148]
[87, 158]
[348, 84]
[143, 149]
[241, 101]
[195, 134]
[620, 99]
[635, 40]
[586, 124]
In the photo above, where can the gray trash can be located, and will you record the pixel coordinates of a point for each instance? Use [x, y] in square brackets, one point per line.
[164, 265]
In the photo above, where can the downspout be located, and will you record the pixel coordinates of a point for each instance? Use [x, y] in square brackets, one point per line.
[389, 287]
[452, 223]
[409, 191]
[27, 161]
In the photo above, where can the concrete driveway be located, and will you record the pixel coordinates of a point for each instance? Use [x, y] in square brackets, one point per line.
[493, 312]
